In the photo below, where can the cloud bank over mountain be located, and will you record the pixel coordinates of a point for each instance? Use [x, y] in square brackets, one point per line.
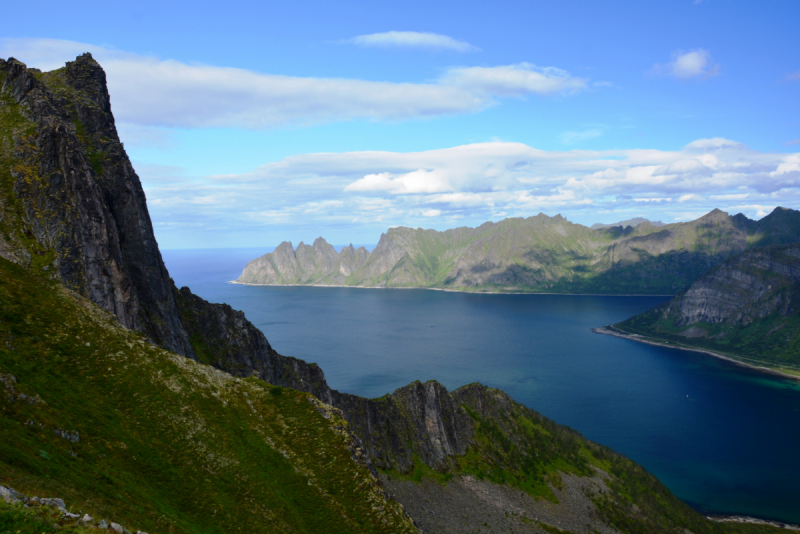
[356, 195]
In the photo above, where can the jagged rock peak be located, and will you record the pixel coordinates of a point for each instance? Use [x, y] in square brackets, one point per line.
[81, 199]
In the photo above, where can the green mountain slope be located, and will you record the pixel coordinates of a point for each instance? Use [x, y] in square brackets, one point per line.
[747, 308]
[537, 254]
[121, 429]
[163, 443]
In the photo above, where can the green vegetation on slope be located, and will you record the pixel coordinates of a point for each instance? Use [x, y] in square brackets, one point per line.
[772, 341]
[518, 447]
[747, 308]
[540, 254]
[164, 443]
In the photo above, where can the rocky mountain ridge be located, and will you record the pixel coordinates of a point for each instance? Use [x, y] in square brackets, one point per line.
[537, 254]
[636, 221]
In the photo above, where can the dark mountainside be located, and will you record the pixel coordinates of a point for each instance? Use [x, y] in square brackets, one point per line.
[72, 210]
[747, 308]
[537, 254]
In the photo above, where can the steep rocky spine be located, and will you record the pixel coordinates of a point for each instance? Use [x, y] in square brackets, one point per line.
[79, 202]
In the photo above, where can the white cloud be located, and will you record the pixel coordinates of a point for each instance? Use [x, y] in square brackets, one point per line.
[419, 181]
[793, 76]
[150, 92]
[696, 63]
[471, 184]
[514, 80]
[790, 164]
[426, 40]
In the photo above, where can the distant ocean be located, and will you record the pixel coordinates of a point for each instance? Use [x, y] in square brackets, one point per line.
[721, 437]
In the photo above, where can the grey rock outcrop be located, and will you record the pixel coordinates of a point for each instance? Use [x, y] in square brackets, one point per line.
[10, 496]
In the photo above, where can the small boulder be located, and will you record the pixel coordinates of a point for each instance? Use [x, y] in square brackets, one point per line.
[87, 518]
[71, 516]
[117, 528]
[102, 524]
[58, 503]
[10, 496]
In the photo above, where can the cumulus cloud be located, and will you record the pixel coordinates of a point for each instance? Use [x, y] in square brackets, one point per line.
[696, 64]
[152, 92]
[424, 40]
[356, 193]
[419, 181]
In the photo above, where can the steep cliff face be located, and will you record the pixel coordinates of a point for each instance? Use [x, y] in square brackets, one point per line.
[223, 337]
[748, 287]
[72, 202]
[73, 205]
[748, 306]
[539, 253]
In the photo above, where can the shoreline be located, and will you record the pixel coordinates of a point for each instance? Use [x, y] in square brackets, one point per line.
[743, 519]
[609, 330]
[234, 282]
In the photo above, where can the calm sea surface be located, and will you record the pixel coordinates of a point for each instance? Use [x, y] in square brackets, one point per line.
[723, 438]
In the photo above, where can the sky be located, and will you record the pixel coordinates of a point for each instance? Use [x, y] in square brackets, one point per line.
[253, 123]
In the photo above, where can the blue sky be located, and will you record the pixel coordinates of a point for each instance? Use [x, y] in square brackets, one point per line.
[254, 123]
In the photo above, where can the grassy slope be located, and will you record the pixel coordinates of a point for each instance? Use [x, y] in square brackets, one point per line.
[166, 444]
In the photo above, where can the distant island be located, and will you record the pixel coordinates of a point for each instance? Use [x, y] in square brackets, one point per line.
[747, 309]
[538, 254]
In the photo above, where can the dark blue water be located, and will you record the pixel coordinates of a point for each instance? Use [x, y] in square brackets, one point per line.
[721, 437]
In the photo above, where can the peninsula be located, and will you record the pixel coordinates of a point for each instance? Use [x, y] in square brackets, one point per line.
[746, 309]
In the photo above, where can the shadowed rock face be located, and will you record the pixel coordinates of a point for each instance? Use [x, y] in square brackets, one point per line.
[80, 203]
[539, 253]
[750, 286]
[747, 308]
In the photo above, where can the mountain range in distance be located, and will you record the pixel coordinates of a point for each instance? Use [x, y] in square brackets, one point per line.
[535, 254]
